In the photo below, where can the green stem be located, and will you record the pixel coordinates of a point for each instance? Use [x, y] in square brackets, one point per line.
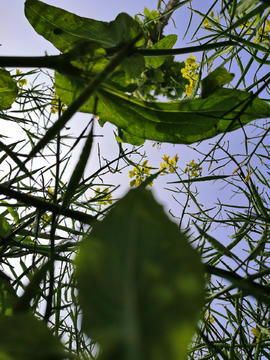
[61, 63]
[186, 50]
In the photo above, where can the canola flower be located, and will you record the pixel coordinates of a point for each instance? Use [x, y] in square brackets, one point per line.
[168, 165]
[209, 21]
[55, 105]
[263, 33]
[190, 72]
[193, 169]
[141, 172]
[210, 318]
[21, 82]
[259, 336]
[106, 198]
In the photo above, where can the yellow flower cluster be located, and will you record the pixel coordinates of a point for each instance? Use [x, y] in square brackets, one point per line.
[190, 72]
[141, 172]
[55, 105]
[193, 169]
[259, 336]
[168, 165]
[21, 82]
[106, 198]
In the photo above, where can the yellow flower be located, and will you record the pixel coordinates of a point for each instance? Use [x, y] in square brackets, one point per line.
[105, 197]
[210, 318]
[141, 172]
[169, 165]
[55, 105]
[208, 22]
[191, 60]
[193, 168]
[190, 72]
[21, 82]
[259, 336]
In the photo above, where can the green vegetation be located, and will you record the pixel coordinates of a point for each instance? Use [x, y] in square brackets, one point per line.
[91, 276]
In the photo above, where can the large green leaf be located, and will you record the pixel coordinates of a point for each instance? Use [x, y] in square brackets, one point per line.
[141, 285]
[86, 39]
[63, 28]
[8, 90]
[24, 337]
[182, 122]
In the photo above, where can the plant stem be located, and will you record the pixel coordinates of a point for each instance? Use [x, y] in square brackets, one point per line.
[61, 63]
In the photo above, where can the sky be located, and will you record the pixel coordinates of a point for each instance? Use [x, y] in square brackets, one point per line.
[19, 38]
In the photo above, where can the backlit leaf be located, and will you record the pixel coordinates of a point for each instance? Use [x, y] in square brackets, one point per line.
[182, 122]
[8, 90]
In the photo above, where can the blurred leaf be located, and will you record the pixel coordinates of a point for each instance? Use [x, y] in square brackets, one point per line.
[141, 285]
[24, 337]
[8, 90]
[246, 5]
[5, 229]
[8, 295]
[215, 80]
[13, 212]
[182, 122]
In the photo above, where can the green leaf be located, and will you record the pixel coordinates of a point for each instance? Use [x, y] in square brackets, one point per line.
[64, 29]
[165, 43]
[133, 66]
[13, 212]
[182, 122]
[8, 90]
[5, 229]
[141, 285]
[245, 6]
[8, 295]
[85, 40]
[124, 137]
[215, 80]
[24, 337]
[202, 178]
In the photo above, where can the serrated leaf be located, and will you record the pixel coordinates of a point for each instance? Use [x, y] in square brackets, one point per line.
[141, 285]
[8, 90]
[182, 122]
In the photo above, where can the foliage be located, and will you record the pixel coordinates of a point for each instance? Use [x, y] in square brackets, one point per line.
[104, 278]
